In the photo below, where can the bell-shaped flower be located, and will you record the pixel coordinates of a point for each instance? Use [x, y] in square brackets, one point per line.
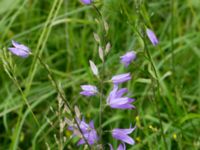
[152, 37]
[19, 49]
[90, 135]
[123, 135]
[88, 90]
[128, 58]
[121, 78]
[115, 99]
[88, 131]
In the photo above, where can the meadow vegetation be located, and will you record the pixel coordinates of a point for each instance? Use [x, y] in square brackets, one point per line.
[165, 78]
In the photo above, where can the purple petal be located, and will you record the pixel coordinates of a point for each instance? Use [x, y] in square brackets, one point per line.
[128, 58]
[91, 137]
[89, 88]
[18, 52]
[87, 2]
[112, 94]
[125, 106]
[121, 78]
[80, 142]
[152, 37]
[91, 124]
[121, 92]
[117, 134]
[20, 46]
[119, 101]
[84, 126]
[122, 147]
[130, 100]
[126, 131]
[87, 93]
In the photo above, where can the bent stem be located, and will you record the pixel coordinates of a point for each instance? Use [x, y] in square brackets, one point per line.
[55, 84]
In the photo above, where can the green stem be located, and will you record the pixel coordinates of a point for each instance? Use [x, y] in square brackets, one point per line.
[102, 75]
[158, 93]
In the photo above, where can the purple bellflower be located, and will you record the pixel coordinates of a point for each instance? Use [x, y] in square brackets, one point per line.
[19, 49]
[120, 147]
[152, 37]
[121, 78]
[88, 90]
[86, 2]
[88, 132]
[128, 58]
[122, 135]
[115, 99]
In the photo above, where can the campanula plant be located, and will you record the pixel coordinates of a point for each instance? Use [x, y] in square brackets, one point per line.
[87, 134]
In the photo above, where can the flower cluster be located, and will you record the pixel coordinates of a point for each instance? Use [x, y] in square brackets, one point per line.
[115, 100]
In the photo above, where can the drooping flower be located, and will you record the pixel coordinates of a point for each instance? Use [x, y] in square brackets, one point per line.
[88, 90]
[115, 99]
[121, 78]
[128, 58]
[122, 135]
[120, 147]
[19, 49]
[87, 2]
[88, 131]
[152, 37]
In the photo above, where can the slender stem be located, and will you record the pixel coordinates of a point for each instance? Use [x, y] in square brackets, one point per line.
[102, 75]
[62, 97]
[158, 93]
[97, 10]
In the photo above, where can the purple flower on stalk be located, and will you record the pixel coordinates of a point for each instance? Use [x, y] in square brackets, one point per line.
[88, 90]
[115, 99]
[86, 2]
[88, 132]
[120, 147]
[121, 78]
[128, 58]
[122, 135]
[152, 37]
[19, 49]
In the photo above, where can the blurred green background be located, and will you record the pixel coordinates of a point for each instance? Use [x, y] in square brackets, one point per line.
[61, 31]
